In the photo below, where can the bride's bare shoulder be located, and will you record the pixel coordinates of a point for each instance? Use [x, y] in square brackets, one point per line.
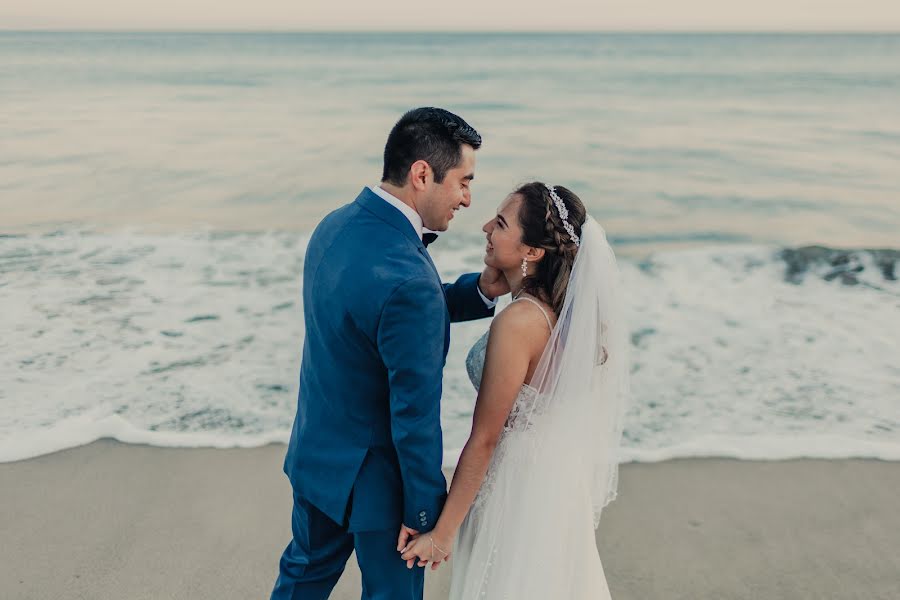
[522, 320]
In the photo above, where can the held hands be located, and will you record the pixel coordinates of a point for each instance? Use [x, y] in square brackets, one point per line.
[426, 548]
[493, 283]
[406, 534]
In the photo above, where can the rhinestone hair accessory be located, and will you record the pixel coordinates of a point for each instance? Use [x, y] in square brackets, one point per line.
[563, 214]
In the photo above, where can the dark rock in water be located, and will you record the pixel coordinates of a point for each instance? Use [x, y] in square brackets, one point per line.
[838, 260]
[843, 273]
[849, 279]
[887, 262]
[798, 261]
[835, 263]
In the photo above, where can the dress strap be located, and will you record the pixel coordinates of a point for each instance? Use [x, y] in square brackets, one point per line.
[544, 312]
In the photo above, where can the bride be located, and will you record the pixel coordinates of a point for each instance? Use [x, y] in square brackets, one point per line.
[552, 375]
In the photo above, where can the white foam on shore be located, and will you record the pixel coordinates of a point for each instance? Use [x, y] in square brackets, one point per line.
[759, 448]
[83, 430]
[194, 340]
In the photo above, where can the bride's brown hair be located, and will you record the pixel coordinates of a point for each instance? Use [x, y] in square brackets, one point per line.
[542, 227]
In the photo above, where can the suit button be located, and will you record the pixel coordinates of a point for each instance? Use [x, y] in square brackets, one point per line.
[422, 514]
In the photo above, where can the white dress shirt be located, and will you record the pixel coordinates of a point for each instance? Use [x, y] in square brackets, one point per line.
[416, 221]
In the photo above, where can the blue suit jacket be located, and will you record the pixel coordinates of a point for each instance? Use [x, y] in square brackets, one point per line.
[367, 438]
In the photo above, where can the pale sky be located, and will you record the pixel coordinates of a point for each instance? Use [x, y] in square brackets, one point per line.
[453, 15]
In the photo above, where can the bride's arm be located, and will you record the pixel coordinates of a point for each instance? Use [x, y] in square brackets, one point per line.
[511, 343]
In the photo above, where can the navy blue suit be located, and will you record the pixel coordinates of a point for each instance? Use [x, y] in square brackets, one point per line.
[366, 447]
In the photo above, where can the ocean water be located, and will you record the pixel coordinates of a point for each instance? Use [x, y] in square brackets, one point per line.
[157, 191]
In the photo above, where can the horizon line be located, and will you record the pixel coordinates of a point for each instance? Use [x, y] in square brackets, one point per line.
[448, 31]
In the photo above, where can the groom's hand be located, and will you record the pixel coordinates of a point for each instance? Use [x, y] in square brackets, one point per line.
[405, 534]
[493, 283]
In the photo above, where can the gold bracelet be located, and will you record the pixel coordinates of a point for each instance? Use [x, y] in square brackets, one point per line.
[433, 546]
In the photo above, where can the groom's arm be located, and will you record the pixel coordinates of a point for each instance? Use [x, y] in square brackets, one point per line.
[466, 301]
[411, 343]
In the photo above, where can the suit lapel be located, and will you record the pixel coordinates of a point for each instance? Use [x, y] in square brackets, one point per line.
[371, 202]
[430, 262]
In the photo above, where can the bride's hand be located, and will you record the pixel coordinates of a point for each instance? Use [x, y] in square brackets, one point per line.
[427, 548]
[493, 283]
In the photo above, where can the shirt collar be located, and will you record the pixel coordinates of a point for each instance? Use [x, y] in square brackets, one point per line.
[414, 219]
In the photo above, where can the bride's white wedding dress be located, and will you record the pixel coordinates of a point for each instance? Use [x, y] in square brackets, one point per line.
[554, 555]
[529, 534]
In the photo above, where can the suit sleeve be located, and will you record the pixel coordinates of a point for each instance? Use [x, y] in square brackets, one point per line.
[464, 301]
[411, 343]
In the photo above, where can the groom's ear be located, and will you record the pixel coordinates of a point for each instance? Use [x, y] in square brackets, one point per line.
[420, 174]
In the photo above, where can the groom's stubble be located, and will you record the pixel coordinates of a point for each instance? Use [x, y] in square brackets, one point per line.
[441, 201]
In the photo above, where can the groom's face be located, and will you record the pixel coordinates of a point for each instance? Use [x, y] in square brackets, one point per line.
[442, 200]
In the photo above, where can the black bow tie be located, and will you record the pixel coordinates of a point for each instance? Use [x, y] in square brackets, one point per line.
[427, 238]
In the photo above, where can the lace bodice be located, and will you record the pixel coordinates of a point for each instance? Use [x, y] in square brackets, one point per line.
[475, 360]
[525, 408]
[525, 401]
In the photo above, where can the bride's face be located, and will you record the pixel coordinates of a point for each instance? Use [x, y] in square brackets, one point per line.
[505, 249]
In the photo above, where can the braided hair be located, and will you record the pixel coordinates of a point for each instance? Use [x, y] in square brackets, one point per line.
[542, 227]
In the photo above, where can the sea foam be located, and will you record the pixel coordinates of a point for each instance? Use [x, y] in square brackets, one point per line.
[750, 352]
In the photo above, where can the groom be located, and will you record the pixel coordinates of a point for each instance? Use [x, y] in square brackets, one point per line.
[365, 454]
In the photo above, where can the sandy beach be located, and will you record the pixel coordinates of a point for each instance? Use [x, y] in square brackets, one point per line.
[117, 521]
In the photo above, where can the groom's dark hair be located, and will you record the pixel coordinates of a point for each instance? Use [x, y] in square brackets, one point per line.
[431, 134]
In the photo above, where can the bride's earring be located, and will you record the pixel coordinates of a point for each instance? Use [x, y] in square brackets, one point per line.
[524, 267]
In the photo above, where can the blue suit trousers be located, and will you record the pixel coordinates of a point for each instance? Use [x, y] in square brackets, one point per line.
[315, 558]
